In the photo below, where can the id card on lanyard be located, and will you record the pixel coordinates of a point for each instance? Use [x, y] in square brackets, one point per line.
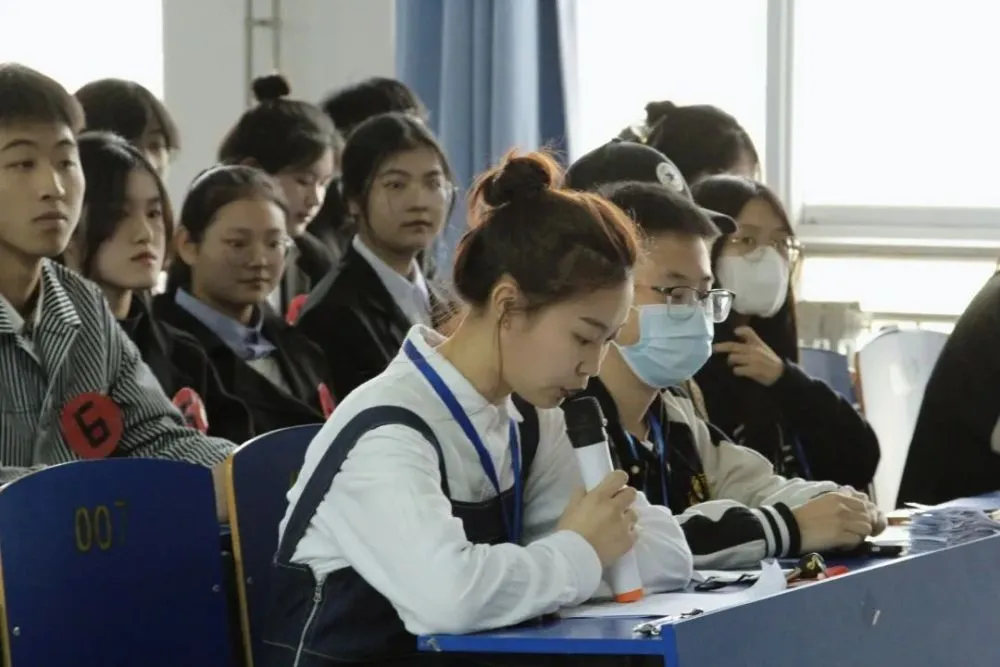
[660, 445]
[511, 517]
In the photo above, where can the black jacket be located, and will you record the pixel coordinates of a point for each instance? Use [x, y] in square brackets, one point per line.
[178, 361]
[270, 407]
[955, 450]
[797, 417]
[356, 322]
[312, 261]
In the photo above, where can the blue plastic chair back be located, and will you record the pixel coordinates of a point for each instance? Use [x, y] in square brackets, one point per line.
[112, 562]
[830, 367]
[260, 474]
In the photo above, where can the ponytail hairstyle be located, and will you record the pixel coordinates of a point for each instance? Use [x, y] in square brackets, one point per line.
[211, 191]
[554, 243]
[700, 139]
[278, 133]
[107, 160]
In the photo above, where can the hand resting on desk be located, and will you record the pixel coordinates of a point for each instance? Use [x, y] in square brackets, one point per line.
[604, 517]
[835, 520]
[879, 520]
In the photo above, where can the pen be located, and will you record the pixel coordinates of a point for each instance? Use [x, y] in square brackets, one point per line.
[652, 628]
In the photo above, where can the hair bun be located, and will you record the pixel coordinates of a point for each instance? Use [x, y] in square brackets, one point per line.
[270, 87]
[657, 111]
[521, 178]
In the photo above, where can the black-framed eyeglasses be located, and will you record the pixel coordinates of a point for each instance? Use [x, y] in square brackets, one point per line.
[241, 251]
[681, 301]
[788, 247]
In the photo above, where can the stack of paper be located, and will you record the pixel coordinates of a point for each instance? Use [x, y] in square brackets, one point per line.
[771, 580]
[947, 526]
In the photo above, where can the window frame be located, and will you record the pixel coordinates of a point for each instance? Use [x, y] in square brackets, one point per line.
[863, 230]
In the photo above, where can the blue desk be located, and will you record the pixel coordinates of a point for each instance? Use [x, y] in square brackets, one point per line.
[936, 609]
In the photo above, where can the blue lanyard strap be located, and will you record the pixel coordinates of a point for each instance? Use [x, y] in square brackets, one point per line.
[660, 444]
[511, 519]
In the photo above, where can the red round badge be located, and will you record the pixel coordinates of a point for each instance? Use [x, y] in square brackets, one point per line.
[326, 400]
[192, 408]
[92, 425]
[294, 308]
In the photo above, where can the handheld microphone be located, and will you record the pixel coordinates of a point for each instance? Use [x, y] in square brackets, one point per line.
[585, 427]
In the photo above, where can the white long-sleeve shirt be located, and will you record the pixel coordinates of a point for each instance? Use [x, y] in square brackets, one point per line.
[386, 516]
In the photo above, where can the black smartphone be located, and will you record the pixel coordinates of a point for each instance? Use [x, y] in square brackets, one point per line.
[882, 550]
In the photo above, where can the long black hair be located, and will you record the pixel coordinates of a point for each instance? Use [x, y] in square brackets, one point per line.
[106, 161]
[278, 133]
[729, 194]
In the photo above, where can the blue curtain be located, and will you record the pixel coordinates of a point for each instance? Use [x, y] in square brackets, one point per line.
[491, 75]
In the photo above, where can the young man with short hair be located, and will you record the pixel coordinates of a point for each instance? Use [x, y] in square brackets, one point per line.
[74, 386]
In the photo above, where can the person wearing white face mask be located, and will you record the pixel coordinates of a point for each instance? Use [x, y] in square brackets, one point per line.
[752, 386]
[733, 508]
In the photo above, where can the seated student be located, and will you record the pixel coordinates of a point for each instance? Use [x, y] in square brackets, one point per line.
[752, 386]
[74, 386]
[131, 111]
[400, 523]
[120, 244]
[231, 245]
[348, 107]
[955, 450]
[294, 142]
[732, 506]
[398, 186]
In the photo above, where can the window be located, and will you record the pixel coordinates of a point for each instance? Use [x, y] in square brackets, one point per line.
[631, 52]
[77, 42]
[896, 290]
[894, 104]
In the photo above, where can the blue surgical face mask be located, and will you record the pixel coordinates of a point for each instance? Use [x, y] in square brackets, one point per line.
[673, 344]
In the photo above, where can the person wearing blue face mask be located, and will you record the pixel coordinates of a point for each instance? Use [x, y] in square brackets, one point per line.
[733, 508]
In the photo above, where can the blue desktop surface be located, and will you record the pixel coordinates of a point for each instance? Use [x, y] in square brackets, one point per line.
[589, 636]
[937, 609]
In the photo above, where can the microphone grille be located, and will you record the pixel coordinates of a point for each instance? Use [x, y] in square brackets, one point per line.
[584, 421]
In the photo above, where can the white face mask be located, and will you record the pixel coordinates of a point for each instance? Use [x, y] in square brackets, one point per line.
[760, 283]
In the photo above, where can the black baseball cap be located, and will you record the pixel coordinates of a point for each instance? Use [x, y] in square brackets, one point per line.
[621, 161]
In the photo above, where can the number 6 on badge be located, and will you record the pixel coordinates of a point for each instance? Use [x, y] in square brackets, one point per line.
[92, 425]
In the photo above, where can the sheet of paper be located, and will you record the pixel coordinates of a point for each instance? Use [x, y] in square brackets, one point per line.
[772, 580]
[949, 525]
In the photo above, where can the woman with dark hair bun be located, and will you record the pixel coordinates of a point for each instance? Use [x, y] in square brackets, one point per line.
[296, 144]
[444, 496]
[700, 139]
[753, 388]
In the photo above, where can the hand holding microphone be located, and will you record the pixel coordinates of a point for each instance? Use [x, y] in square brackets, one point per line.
[603, 516]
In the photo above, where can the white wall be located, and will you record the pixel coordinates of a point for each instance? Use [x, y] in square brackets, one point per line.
[325, 44]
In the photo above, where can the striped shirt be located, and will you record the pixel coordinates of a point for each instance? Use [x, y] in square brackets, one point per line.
[78, 348]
